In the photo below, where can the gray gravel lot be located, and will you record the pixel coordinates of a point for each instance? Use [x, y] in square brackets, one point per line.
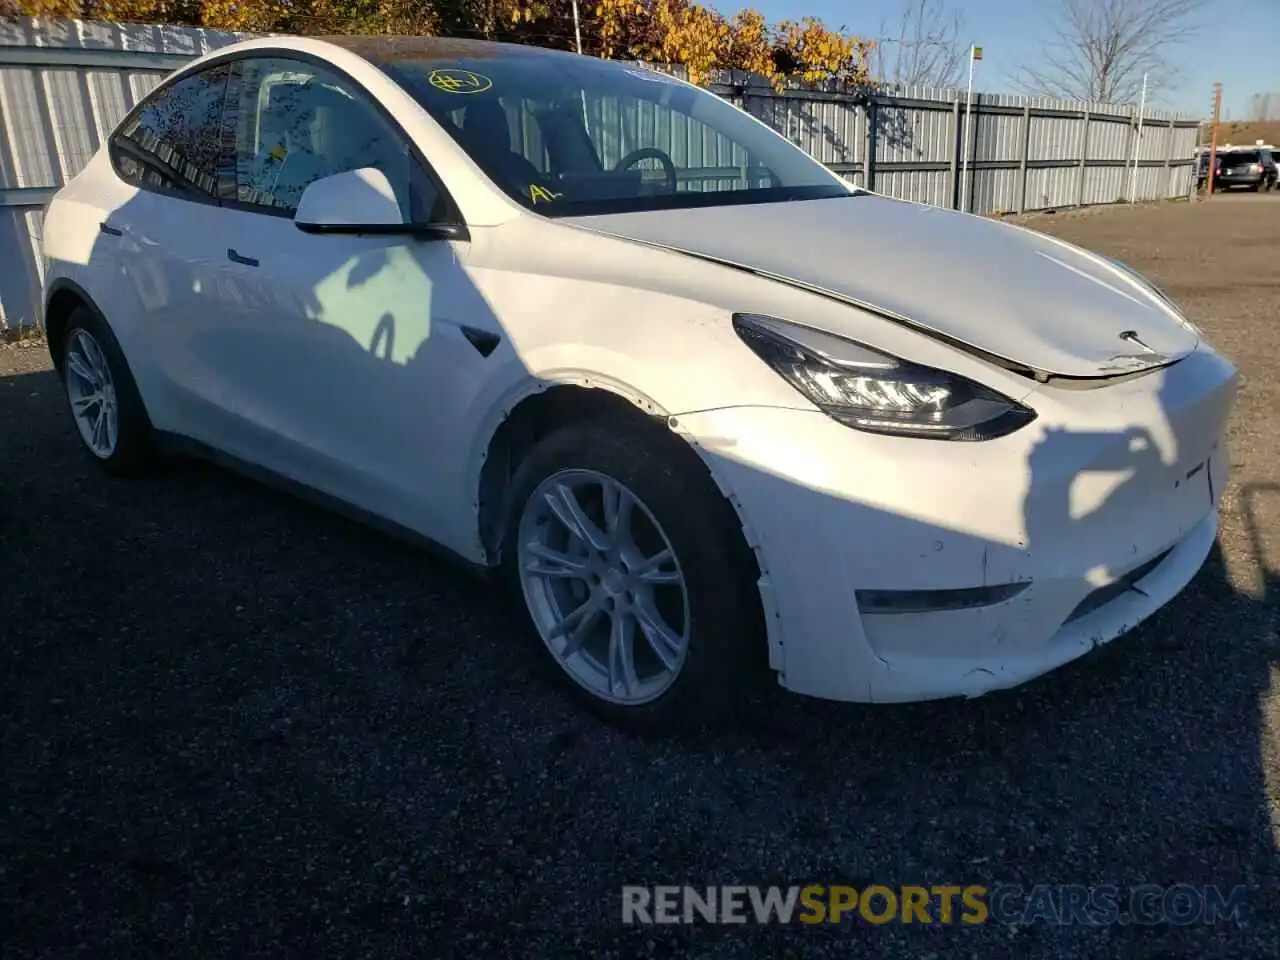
[234, 725]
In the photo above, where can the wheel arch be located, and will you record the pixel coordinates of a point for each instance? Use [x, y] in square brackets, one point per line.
[62, 298]
[542, 409]
[525, 419]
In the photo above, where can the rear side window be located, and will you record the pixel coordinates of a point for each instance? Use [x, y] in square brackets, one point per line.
[173, 142]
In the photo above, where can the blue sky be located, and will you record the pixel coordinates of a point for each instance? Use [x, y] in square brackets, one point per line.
[1240, 46]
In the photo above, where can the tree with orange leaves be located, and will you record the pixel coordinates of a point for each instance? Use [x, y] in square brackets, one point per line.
[183, 12]
[676, 32]
[819, 53]
[704, 42]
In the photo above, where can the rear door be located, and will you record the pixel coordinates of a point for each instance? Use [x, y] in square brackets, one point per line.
[1240, 163]
[165, 238]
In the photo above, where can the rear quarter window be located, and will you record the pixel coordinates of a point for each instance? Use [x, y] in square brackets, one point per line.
[172, 142]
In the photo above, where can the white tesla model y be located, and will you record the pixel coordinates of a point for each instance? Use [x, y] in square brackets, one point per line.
[708, 408]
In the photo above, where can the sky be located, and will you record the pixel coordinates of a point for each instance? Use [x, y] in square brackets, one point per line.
[1240, 45]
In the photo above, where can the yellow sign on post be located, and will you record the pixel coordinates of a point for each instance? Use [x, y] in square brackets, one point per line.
[977, 53]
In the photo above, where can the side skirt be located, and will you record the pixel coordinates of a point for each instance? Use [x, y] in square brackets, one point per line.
[177, 446]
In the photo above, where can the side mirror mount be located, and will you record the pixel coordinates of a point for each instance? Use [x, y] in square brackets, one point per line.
[361, 202]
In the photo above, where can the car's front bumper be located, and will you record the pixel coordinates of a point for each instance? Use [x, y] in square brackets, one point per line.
[1102, 483]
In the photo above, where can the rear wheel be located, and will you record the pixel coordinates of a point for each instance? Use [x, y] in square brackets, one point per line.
[633, 574]
[105, 406]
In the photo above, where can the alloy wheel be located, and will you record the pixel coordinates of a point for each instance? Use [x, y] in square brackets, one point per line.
[604, 586]
[91, 391]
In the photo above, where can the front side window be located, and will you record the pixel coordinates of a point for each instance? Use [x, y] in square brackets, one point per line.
[172, 142]
[293, 123]
[574, 135]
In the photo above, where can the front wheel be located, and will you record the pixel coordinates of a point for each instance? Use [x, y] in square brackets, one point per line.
[102, 396]
[635, 576]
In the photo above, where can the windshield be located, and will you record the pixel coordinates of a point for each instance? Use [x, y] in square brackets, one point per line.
[570, 136]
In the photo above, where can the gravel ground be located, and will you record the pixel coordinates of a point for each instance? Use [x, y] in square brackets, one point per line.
[234, 725]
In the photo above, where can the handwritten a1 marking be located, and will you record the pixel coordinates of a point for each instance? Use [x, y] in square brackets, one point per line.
[537, 194]
[459, 81]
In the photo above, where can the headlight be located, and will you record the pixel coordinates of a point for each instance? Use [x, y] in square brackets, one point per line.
[872, 391]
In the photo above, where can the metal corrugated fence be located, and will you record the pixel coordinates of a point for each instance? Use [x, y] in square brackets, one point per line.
[65, 84]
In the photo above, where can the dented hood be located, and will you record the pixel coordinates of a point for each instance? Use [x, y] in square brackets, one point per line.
[1012, 293]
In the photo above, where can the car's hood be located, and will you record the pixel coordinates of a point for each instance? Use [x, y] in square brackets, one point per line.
[1011, 293]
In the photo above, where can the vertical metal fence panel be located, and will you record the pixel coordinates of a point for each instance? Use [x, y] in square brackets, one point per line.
[1153, 141]
[28, 137]
[140, 84]
[1051, 187]
[1093, 189]
[65, 84]
[997, 137]
[918, 186]
[71, 120]
[995, 191]
[824, 127]
[1149, 181]
[20, 269]
[1109, 139]
[1054, 138]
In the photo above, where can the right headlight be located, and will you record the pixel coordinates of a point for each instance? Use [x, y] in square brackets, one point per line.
[870, 390]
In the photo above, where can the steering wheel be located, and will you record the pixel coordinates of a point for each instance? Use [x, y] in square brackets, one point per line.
[651, 153]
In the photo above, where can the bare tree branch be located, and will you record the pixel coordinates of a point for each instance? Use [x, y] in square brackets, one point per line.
[1098, 50]
[924, 47]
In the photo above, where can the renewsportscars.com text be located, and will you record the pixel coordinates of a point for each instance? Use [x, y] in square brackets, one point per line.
[970, 904]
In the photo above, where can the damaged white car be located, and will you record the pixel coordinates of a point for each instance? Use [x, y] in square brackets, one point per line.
[711, 411]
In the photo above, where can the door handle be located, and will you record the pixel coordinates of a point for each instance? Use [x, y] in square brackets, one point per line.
[109, 230]
[236, 258]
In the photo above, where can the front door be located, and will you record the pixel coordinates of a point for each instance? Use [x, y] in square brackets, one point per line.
[344, 354]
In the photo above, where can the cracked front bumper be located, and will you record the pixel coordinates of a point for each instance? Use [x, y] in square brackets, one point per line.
[1104, 482]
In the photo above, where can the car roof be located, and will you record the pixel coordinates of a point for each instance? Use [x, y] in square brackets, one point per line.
[388, 49]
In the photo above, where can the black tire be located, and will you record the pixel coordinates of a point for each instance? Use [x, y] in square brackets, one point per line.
[727, 655]
[135, 448]
[1256, 187]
